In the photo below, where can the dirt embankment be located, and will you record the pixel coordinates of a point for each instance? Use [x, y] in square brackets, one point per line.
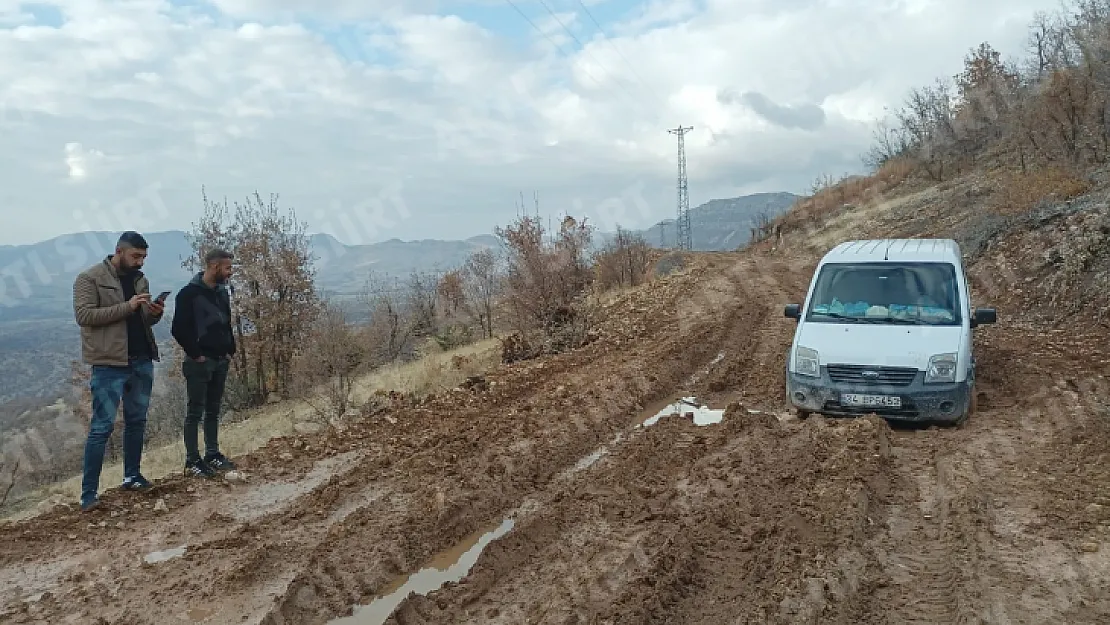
[758, 518]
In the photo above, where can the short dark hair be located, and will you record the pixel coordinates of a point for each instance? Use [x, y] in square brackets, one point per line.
[131, 239]
[217, 254]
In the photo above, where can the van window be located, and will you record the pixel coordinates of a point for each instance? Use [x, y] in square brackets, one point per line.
[886, 293]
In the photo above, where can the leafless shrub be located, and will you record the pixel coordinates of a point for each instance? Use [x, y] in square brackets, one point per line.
[390, 333]
[328, 366]
[763, 227]
[482, 283]
[624, 261]
[13, 475]
[546, 278]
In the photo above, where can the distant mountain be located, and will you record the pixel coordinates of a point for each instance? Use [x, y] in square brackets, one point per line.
[724, 224]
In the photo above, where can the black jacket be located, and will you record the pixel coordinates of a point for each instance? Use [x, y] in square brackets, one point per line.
[202, 320]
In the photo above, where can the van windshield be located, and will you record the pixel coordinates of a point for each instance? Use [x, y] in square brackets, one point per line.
[886, 293]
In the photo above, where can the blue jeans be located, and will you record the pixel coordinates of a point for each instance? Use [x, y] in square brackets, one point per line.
[132, 384]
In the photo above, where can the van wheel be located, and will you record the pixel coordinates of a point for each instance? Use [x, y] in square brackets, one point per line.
[972, 407]
[802, 414]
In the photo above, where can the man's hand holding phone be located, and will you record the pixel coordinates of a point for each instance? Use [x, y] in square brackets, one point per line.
[158, 306]
[138, 300]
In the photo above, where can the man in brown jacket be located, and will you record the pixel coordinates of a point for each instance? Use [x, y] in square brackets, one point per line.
[112, 305]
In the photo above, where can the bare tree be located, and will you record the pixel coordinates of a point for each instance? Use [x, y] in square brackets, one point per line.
[624, 261]
[762, 226]
[327, 368]
[451, 293]
[890, 142]
[274, 286]
[390, 329]
[422, 301]
[12, 477]
[481, 285]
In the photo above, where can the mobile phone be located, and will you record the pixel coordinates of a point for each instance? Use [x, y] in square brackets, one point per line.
[162, 296]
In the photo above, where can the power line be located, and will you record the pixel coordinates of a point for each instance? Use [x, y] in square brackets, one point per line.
[582, 46]
[633, 99]
[613, 45]
[683, 236]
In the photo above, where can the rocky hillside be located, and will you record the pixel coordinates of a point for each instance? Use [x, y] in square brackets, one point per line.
[724, 224]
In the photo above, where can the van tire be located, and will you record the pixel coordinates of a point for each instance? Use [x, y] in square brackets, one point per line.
[972, 408]
[802, 414]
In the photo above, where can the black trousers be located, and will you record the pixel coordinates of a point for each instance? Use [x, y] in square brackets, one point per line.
[204, 383]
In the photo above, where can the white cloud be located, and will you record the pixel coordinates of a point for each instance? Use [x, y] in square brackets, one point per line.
[382, 118]
[78, 160]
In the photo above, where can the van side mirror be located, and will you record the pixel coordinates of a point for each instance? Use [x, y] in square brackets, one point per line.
[793, 311]
[984, 316]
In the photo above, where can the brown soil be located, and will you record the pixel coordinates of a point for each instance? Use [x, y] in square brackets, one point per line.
[760, 518]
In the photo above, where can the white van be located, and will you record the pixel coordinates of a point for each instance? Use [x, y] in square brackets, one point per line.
[886, 328]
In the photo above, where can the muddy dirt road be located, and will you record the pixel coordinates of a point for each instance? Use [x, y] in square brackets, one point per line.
[562, 508]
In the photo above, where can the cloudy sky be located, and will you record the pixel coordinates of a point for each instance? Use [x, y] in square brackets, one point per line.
[416, 119]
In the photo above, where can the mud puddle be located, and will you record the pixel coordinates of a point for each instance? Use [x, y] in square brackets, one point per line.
[162, 556]
[686, 407]
[198, 615]
[448, 567]
[275, 496]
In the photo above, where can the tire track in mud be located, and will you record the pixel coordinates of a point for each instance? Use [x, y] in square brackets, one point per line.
[608, 413]
[679, 525]
[969, 541]
[668, 517]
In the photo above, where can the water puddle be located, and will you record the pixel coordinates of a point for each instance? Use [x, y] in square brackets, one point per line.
[275, 496]
[162, 556]
[702, 415]
[198, 615]
[447, 567]
[588, 461]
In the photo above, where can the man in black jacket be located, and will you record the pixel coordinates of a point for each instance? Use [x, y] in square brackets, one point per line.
[202, 326]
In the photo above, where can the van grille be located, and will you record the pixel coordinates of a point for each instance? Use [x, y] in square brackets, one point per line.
[877, 376]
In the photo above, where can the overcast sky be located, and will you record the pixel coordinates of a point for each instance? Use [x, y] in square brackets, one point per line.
[417, 119]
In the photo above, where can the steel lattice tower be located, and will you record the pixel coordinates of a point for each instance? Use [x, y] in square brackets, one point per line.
[683, 235]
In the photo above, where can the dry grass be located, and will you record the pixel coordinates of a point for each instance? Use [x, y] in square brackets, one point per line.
[434, 372]
[1018, 193]
[829, 201]
[853, 224]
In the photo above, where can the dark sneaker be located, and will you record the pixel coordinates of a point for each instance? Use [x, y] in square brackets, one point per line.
[90, 504]
[198, 468]
[220, 463]
[137, 483]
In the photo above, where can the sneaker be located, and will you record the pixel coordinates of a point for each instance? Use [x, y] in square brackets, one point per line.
[198, 468]
[219, 462]
[91, 504]
[137, 483]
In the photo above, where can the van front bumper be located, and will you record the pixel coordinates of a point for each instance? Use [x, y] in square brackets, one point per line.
[920, 401]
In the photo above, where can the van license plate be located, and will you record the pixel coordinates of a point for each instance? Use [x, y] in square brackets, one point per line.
[866, 401]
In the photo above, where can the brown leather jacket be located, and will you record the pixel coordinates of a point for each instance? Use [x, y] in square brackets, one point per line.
[102, 311]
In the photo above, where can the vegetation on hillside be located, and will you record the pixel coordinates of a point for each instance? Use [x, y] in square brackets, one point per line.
[1036, 127]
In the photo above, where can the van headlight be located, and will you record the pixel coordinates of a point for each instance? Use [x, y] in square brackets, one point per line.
[942, 368]
[806, 363]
